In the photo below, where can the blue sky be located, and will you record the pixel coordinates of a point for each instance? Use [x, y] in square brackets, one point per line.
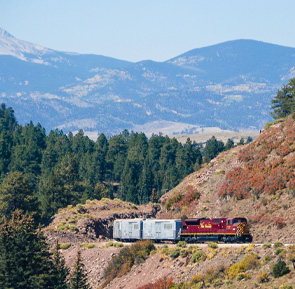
[137, 30]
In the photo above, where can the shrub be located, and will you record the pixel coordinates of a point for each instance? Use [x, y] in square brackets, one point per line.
[183, 253]
[243, 276]
[266, 259]
[250, 247]
[182, 244]
[64, 246]
[175, 253]
[73, 228]
[109, 244]
[278, 244]
[160, 283]
[234, 270]
[87, 245]
[291, 254]
[217, 283]
[127, 257]
[118, 245]
[280, 251]
[280, 269]
[191, 249]
[198, 256]
[210, 275]
[285, 286]
[165, 251]
[266, 246]
[251, 261]
[62, 226]
[280, 223]
[196, 279]
[263, 277]
[213, 245]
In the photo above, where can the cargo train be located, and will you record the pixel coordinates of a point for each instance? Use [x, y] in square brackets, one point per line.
[227, 230]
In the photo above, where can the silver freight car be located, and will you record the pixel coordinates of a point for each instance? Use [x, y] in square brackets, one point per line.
[161, 230]
[129, 229]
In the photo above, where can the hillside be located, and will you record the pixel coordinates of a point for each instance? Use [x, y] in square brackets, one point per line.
[207, 87]
[255, 181]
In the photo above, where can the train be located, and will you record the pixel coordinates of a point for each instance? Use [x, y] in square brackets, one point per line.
[194, 230]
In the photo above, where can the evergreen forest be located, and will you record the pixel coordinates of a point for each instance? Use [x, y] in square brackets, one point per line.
[40, 173]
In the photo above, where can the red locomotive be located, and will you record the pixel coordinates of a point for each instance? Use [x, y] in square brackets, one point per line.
[226, 230]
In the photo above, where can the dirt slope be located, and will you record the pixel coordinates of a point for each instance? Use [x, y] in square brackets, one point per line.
[256, 181]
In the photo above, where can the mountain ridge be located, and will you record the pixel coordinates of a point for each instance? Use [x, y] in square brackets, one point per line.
[200, 88]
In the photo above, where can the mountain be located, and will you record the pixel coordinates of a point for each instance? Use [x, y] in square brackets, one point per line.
[227, 86]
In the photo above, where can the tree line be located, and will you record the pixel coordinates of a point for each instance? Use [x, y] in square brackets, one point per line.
[41, 173]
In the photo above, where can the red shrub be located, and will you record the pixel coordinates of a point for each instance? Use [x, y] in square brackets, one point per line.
[280, 223]
[162, 283]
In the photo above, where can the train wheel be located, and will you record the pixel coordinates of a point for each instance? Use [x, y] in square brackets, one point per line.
[188, 240]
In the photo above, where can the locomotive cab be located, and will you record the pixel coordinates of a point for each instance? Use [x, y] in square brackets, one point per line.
[239, 220]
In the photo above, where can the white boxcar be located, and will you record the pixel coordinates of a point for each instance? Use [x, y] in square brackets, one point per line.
[127, 229]
[161, 230]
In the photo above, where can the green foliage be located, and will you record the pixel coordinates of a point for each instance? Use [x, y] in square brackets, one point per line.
[280, 269]
[266, 259]
[64, 246]
[266, 246]
[184, 253]
[182, 244]
[250, 261]
[198, 256]
[212, 149]
[278, 244]
[213, 245]
[78, 278]
[60, 270]
[87, 245]
[174, 253]
[69, 169]
[291, 254]
[286, 286]
[280, 251]
[128, 256]
[229, 144]
[16, 193]
[118, 245]
[25, 259]
[283, 104]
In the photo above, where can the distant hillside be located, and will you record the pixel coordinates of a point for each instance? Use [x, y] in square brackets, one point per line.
[228, 86]
[255, 181]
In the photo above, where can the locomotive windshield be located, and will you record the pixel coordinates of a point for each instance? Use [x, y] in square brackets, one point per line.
[239, 220]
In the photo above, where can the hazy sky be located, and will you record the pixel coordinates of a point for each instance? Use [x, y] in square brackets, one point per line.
[146, 29]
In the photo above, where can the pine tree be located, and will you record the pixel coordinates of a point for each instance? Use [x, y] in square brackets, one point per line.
[229, 144]
[25, 259]
[212, 149]
[60, 271]
[16, 193]
[283, 103]
[78, 278]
